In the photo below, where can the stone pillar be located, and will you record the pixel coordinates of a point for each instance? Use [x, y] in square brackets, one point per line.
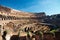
[2, 30]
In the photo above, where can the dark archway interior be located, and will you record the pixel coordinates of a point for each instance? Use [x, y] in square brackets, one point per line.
[14, 37]
[4, 35]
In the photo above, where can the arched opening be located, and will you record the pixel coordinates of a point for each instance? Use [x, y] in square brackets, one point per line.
[4, 35]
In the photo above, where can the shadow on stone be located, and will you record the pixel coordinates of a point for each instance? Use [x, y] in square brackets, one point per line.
[4, 35]
[15, 37]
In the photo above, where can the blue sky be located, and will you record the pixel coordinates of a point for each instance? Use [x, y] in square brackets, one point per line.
[48, 6]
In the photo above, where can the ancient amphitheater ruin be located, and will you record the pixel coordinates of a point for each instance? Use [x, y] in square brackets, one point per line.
[18, 25]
